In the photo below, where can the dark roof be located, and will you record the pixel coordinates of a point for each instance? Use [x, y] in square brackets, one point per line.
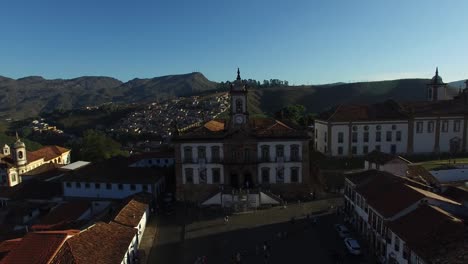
[133, 210]
[100, 244]
[388, 110]
[63, 214]
[151, 155]
[422, 175]
[32, 189]
[37, 247]
[380, 157]
[457, 194]
[115, 170]
[257, 128]
[432, 233]
[391, 110]
[389, 194]
[7, 246]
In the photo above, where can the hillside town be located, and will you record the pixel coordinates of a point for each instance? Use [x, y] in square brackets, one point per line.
[161, 118]
[236, 174]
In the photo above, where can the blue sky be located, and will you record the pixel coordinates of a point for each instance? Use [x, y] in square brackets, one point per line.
[303, 41]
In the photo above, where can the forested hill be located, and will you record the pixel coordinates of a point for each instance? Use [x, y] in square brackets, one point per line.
[320, 97]
[29, 96]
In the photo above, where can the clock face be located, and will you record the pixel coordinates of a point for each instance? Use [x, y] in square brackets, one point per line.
[239, 120]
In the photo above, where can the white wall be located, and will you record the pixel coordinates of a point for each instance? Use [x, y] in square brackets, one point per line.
[336, 130]
[103, 192]
[320, 131]
[445, 137]
[385, 146]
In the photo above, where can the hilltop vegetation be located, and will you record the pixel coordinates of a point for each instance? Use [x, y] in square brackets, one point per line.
[319, 98]
[30, 96]
[27, 97]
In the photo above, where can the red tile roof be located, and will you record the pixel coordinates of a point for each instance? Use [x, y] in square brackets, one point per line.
[47, 152]
[99, 244]
[257, 127]
[389, 194]
[63, 214]
[37, 247]
[432, 233]
[132, 212]
[8, 245]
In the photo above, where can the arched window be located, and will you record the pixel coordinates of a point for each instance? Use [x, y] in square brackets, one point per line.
[239, 106]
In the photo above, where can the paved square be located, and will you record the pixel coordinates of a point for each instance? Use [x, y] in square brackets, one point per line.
[206, 234]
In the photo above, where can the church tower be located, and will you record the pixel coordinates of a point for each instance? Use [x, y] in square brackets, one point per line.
[437, 89]
[19, 152]
[238, 111]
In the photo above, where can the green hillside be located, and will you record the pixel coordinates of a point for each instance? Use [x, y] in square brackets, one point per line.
[321, 97]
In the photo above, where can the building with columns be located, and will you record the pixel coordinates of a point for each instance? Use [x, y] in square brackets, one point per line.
[224, 156]
[438, 125]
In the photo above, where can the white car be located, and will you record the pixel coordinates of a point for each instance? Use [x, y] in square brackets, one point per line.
[342, 231]
[352, 245]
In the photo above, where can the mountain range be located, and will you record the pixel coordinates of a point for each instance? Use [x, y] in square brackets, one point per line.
[29, 96]
[32, 95]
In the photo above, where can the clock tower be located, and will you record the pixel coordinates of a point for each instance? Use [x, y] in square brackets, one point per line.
[238, 111]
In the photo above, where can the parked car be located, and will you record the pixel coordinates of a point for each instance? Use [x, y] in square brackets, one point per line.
[342, 231]
[352, 245]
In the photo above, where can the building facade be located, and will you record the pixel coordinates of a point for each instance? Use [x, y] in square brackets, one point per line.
[241, 153]
[16, 160]
[375, 200]
[433, 126]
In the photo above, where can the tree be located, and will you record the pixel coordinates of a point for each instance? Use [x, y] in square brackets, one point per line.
[96, 146]
[295, 113]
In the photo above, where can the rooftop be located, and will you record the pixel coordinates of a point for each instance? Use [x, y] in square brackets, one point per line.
[389, 194]
[37, 247]
[379, 157]
[432, 233]
[115, 170]
[257, 127]
[100, 244]
[63, 214]
[391, 110]
[75, 165]
[133, 210]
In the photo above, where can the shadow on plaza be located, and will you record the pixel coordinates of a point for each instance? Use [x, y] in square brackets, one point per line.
[298, 242]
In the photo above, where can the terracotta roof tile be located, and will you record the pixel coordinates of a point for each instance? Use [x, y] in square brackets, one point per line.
[63, 214]
[132, 212]
[389, 194]
[37, 247]
[99, 244]
[431, 232]
[47, 152]
[8, 245]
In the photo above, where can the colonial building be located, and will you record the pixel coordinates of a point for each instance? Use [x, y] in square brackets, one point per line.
[377, 201]
[17, 161]
[241, 153]
[433, 126]
[114, 178]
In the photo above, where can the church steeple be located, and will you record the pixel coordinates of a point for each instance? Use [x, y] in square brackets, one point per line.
[238, 110]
